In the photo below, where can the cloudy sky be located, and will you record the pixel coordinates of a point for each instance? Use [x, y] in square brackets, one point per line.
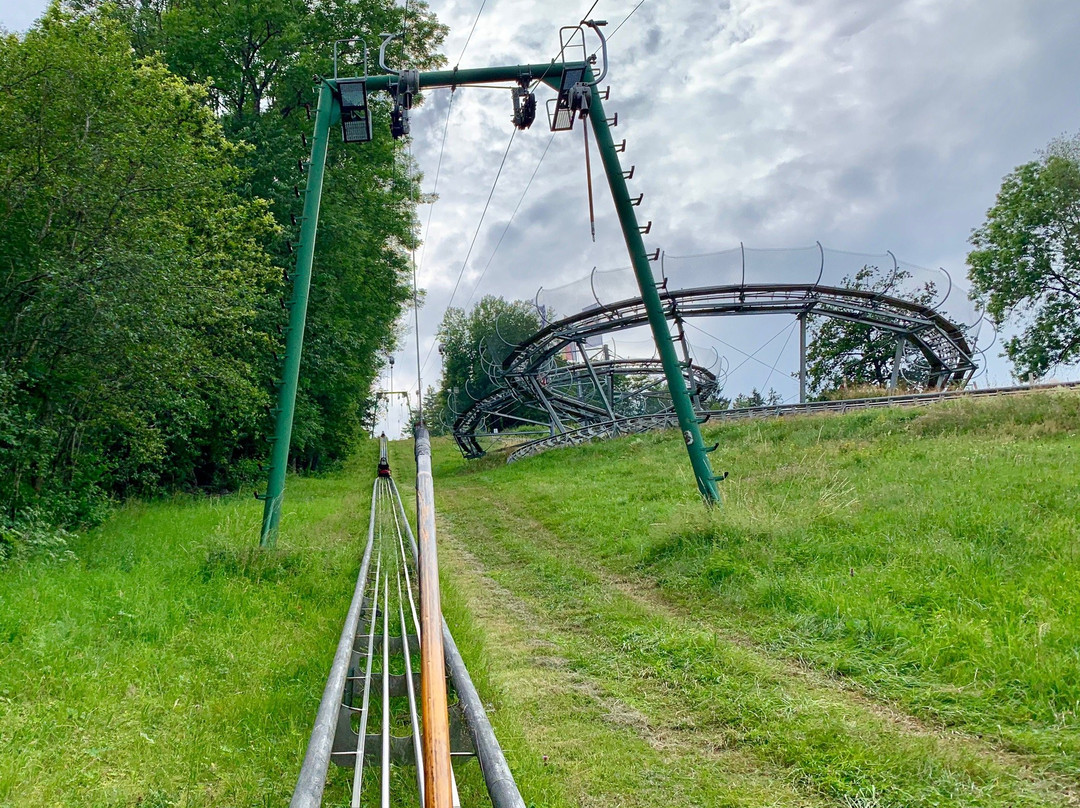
[868, 126]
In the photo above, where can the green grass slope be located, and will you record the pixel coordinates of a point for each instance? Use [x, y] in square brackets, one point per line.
[886, 611]
[883, 613]
[169, 664]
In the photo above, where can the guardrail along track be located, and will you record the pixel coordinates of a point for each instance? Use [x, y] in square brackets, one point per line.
[399, 705]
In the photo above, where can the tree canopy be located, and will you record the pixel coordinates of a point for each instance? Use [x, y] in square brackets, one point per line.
[147, 172]
[1025, 266]
[840, 353]
[474, 345]
[256, 59]
[132, 351]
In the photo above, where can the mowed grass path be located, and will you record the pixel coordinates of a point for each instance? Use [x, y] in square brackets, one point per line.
[885, 612]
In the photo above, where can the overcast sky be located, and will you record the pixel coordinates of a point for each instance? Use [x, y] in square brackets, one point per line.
[868, 126]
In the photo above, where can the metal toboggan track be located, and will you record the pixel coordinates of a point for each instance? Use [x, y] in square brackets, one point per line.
[399, 706]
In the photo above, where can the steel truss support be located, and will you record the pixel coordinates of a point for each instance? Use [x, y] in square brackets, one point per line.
[802, 357]
[596, 381]
[942, 343]
[894, 379]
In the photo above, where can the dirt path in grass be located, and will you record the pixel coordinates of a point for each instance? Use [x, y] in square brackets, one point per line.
[594, 749]
[647, 593]
[729, 724]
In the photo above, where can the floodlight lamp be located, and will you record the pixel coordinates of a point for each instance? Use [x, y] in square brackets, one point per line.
[570, 77]
[560, 118]
[355, 114]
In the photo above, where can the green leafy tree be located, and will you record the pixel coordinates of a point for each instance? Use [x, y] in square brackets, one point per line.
[840, 353]
[436, 414]
[474, 345]
[257, 59]
[1026, 263]
[131, 351]
[756, 399]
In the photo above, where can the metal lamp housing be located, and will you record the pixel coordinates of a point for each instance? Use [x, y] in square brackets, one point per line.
[355, 114]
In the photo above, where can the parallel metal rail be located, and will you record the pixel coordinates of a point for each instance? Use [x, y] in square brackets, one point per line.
[638, 424]
[379, 710]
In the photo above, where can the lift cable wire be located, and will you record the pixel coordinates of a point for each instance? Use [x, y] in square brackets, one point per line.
[471, 32]
[476, 233]
[779, 356]
[621, 24]
[438, 172]
[416, 318]
[562, 49]
[427, 225]
[465, 263]
[511, 220]
[446, 127]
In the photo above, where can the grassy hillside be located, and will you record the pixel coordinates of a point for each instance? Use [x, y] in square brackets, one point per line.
[884, 613]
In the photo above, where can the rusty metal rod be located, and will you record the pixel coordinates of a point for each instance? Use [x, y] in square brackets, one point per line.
[438, 785]
[497, 775]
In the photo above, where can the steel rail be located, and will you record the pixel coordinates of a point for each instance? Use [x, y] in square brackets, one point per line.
[645, 423]
[475, 422]
[361, 741]
[414, 717]
[856, 305]
[501, 787]
[367, 633]
[312, 779]
[385, 782]
[405, 567]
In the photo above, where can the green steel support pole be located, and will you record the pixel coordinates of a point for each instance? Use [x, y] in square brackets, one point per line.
[551, 74]
[294, 336]
[684, 408]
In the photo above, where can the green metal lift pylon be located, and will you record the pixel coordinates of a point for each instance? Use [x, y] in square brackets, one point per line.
[294, 335]
[330, 109]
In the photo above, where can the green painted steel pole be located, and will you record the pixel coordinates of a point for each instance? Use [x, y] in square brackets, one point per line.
[294, 336]
[550, 72]
[673, 370]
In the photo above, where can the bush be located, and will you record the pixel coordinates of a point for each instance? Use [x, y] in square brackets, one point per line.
[30, 535]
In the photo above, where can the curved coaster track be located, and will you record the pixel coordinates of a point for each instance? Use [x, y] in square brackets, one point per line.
[635, 425]
[578, 399]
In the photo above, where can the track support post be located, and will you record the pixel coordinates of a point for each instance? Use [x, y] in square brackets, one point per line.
[802, 357]
[294, 337]
[680, 396]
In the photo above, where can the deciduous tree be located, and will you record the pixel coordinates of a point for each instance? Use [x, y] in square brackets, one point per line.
[840, 353]
[1026, 263]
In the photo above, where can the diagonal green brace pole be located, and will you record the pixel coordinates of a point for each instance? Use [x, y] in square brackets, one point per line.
[673, 369]
[294, 336]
